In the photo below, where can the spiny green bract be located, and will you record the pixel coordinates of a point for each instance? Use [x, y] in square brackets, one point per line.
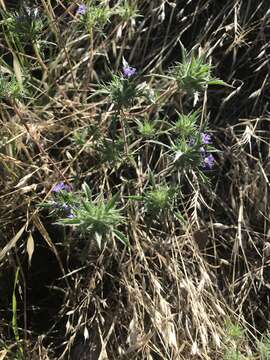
[193, 74]
[186, 156]
[96, 217]
[185, 126]
[122, 91]
[159, 198]
[79, 137]
[146, 129]
[96, 17]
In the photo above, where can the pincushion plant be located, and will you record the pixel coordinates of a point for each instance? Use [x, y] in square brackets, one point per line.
[93, 17]
[131, 130]
[189, 149]
[95, 218]
[25, 27]
[124, 88]
[147, 129]
[193, 73]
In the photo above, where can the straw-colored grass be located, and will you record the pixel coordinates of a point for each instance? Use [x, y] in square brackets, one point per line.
[193, 283]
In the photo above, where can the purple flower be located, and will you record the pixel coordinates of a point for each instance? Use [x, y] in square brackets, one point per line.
[64, 208]
[61, 187]
[81, 10]
[208, 161]
[58, 187]
[191, 142]
[129, 71]
[206, 138]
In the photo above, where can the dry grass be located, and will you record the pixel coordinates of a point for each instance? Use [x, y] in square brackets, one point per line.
[171, 294]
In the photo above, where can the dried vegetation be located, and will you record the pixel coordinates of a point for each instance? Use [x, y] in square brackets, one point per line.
[196, 287]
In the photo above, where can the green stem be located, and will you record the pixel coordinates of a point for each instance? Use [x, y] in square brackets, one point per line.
[14, 315]
[39, 58]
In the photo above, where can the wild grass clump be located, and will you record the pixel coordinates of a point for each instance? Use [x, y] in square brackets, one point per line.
[134, 208]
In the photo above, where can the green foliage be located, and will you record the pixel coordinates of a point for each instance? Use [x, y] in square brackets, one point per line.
[232, 354]
[79, 137]
[96, 16]
[234, 331]
[24, 26]
[127, 11]
[111, 152]
[185, 125]
[235, 336]
[95, 217]
[121, 91]
[185, 155]
[147, 129]
[193, 74]
[10, 88]
[264, 347]
[158, 198]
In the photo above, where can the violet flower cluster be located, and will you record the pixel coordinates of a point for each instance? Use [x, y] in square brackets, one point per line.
[129, 71]
[206, 138]
[64, 207]
[81, 10]
[208, 159]
[61, 187]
